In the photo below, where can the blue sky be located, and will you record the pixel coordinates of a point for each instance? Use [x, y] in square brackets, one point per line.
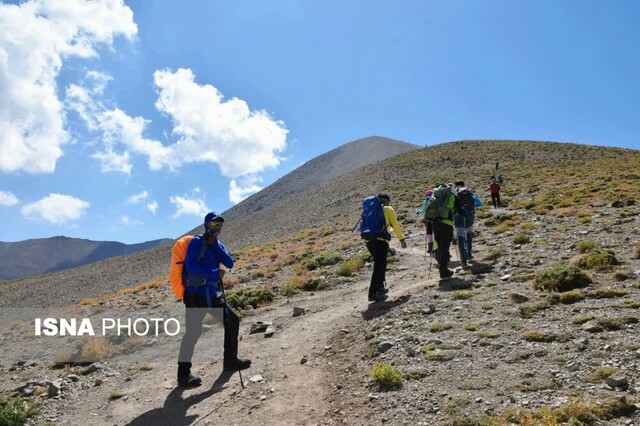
[127, 121]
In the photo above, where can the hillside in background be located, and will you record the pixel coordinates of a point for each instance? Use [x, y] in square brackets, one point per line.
[545, 177]
[320, 170]
[38, 256]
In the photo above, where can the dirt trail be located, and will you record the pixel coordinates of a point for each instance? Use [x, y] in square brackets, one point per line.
[292, 391]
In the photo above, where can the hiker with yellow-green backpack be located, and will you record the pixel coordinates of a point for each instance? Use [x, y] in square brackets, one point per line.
[439, 211]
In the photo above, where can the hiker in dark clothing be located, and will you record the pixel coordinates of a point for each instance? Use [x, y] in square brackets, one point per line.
[443, 234]
[495, 193]
[379, 247]
[203, 294]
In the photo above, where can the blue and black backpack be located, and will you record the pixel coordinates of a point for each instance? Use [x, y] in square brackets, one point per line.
[372, 222]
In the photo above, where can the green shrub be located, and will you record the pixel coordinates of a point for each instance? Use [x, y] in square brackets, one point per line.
[439, 326]
[579, 320]
[327, 258]
[289, 288]
[561, 278]
[601, 373]
[537, 336]
[595, 259]
[609, 293]
[586, 246]
[462, 294]
[611, 324]
[573, 296]
[385, 375]
[522, 238]
[244, 297]
[636, 251]
[352, 265]
[15, 412]
[495, 254]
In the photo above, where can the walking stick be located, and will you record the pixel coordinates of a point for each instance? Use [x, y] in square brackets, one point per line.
[224, 296]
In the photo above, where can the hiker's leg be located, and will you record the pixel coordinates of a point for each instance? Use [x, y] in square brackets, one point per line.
[231, 329]
[462, 247]
[193, 328]
[447, 237]
[498, 199]
[429, 237]
[443, 234]
[469, 243]
[493, 200]
[378, 250]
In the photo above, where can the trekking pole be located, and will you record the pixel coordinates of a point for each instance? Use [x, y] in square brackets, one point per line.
[224, 296]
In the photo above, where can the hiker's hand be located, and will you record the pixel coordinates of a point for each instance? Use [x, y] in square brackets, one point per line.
[403, 243]
[222, 272]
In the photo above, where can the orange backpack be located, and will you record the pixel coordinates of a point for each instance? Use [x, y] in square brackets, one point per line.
[176, 270]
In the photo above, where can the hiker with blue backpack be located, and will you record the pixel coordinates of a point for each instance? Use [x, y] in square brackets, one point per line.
[377, 217]
[204, 294]
[463, 221]
[440, 211]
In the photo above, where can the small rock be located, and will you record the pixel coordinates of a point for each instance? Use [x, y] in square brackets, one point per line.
[505, 277]
[270, 331]
[54, 388]
[29, 363]
[259, 326]
[618, 380]
[90, 368]
[345, 331]
[299, 311]
[592, 328]
[519, 298]
[304, 360]
[73, 377]
[582, 344]
[384, 346]
[98, 382]
[257, 378]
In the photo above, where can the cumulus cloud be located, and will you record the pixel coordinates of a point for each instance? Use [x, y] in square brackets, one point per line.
[36, 37]
[124, 220]
[56, 209]
[138, 198]
[188, 206]
[152, 207]
[228, 133]
[8, 199]
[240, 191]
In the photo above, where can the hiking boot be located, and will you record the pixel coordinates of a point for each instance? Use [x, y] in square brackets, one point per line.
[189, 381]
[446, 275]
[379, 297]
[236, 364]
[464, 264]
[371, 298]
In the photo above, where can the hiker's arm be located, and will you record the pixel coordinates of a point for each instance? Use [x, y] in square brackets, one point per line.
[223, 255]
[390, 216]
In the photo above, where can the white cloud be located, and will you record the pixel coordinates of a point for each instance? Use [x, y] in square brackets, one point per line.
[124, 220]
[240, 191]
[56, 209]
[152, 207]
[138, 198]
[113, 162]
[210, 129]
[8, 199]
[188, 206]
[36, 37]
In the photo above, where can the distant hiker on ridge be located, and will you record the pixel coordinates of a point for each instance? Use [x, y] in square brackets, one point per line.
[495, 193]
[203, 293]
[377, 217]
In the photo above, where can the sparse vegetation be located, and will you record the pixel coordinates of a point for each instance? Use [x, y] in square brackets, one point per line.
[385, 375]
[352, 265]
[601, 373]
[522, 238]
[537, 336]
[611, 324]
[572, 296]
[462, 294]
[561, 278]
[439, 326]
[609, 293]
[579, 320]
[16, 411]
[116, 394]
[254, 297]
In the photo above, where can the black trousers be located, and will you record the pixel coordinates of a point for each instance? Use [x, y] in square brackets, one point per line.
[495, 199]
[443, 234]
[378, 250]
[196, 309]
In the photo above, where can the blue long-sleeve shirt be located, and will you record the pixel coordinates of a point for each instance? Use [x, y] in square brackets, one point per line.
[207, 271]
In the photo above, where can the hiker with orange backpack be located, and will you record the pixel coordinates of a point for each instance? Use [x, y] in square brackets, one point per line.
[203, 293]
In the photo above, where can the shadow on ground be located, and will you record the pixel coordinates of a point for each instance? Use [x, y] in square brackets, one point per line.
[378, 309]
[174, 410]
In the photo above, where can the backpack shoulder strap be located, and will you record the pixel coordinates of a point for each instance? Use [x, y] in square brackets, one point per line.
[203, 248]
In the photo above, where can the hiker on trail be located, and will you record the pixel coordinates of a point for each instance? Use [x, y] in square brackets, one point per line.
[428, 224]
[463, 221]
[500, 179]
[495, 193]
[204, 293]
[379, 246]
[440, 211]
